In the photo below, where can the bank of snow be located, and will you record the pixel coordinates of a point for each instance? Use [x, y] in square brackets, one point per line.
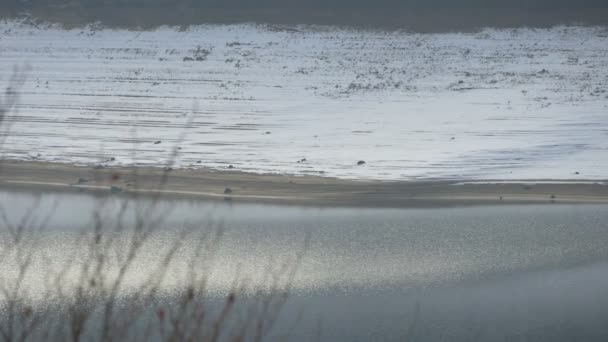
[497, 104]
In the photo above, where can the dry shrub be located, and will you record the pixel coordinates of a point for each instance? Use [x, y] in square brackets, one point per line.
[94, 289]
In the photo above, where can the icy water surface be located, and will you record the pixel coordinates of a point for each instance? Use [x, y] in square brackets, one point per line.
[533, 272]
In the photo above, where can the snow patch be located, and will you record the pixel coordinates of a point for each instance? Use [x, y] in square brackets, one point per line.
[498, 104]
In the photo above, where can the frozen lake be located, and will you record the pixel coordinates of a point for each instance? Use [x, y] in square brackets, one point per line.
[534, 272]
[496, 104]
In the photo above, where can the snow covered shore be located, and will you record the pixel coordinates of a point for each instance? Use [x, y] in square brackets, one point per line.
[497, 104]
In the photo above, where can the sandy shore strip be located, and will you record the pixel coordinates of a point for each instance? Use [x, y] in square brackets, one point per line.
[293, 190]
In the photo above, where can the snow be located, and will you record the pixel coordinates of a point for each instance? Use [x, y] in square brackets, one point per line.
[496, 104]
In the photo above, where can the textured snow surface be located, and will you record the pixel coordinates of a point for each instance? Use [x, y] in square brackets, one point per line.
[496, 104]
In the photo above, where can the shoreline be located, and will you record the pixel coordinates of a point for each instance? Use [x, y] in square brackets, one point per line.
[209, 184]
